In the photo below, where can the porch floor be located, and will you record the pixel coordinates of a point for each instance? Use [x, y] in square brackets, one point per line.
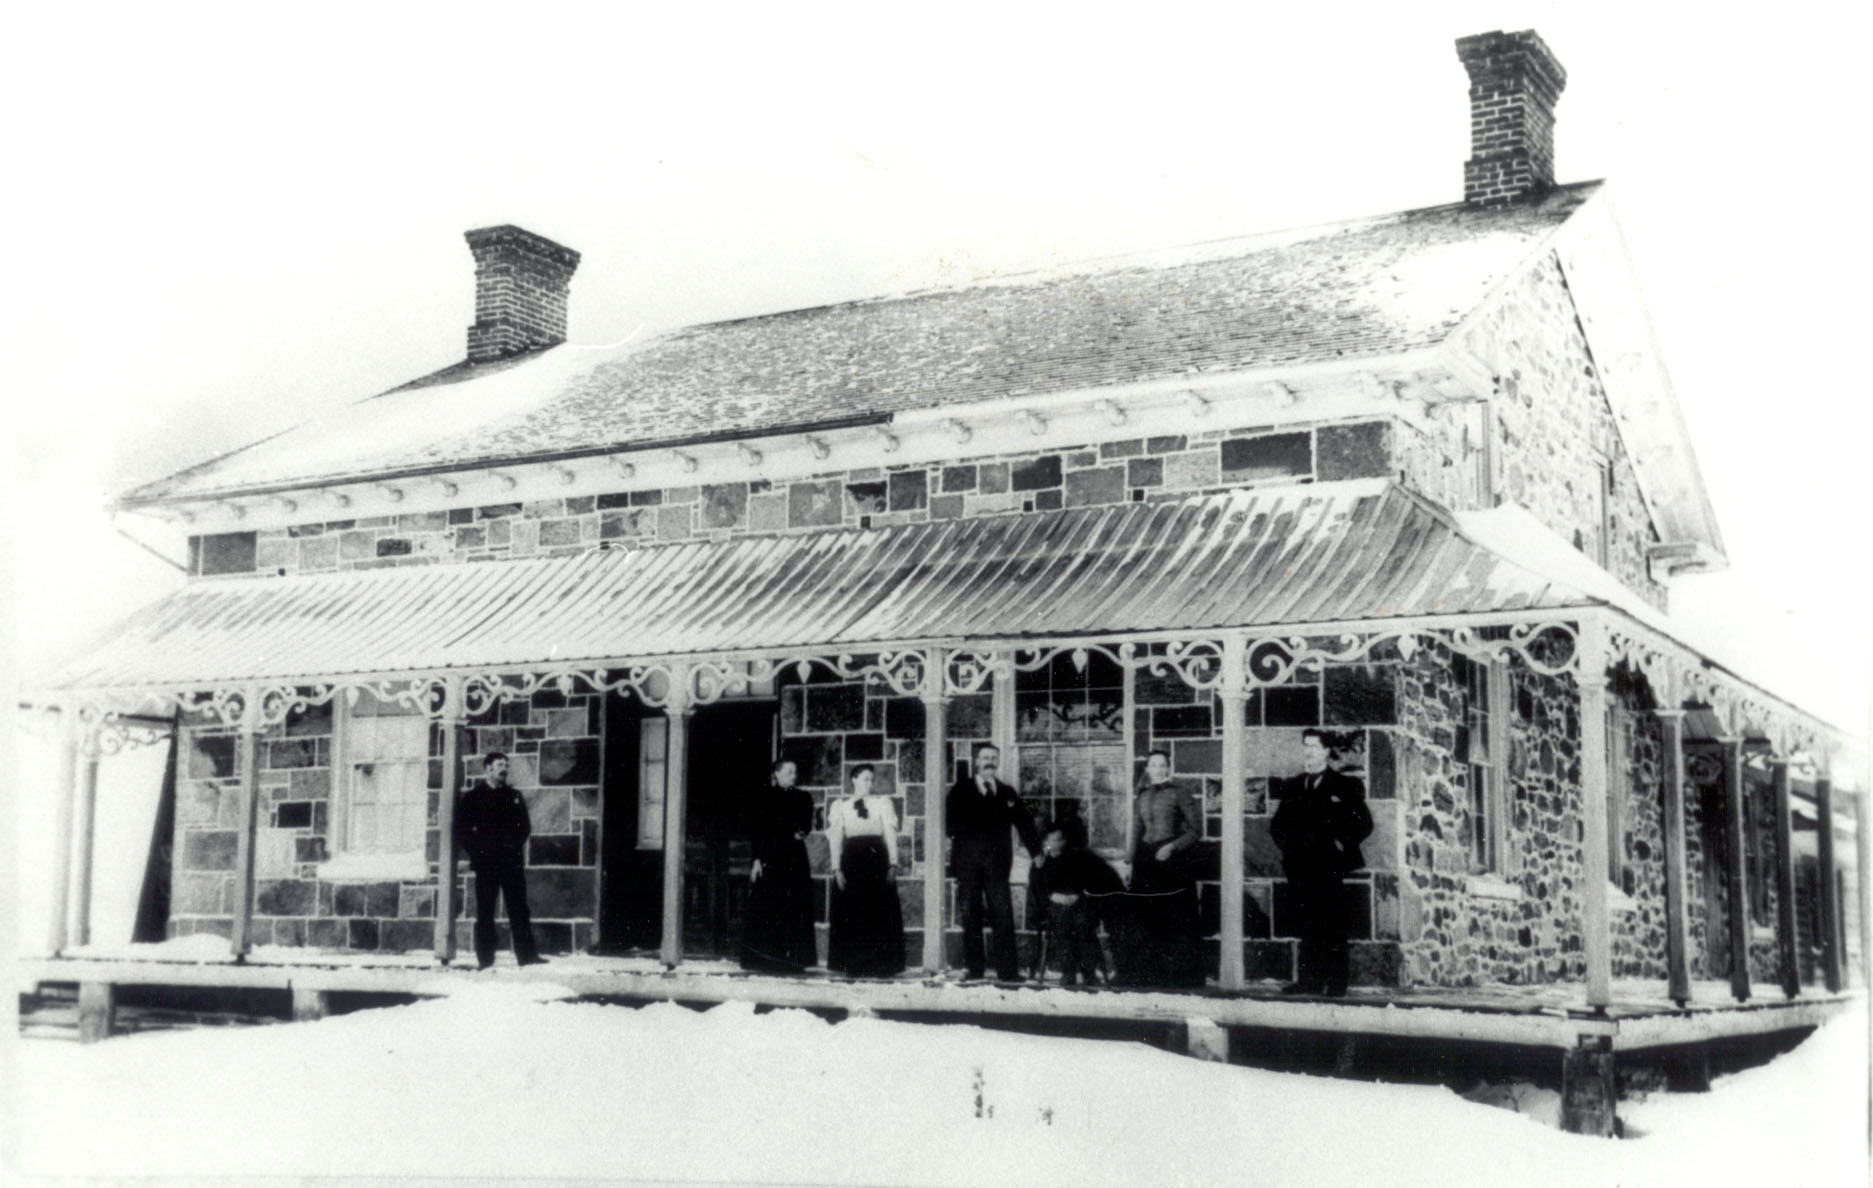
[1552, 1016]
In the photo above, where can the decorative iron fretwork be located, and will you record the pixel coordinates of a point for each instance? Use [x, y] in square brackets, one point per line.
[1547, 645]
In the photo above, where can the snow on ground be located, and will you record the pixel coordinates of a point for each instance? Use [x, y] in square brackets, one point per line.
[507, 1079]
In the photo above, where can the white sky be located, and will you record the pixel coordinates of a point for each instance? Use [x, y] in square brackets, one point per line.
[229, 218]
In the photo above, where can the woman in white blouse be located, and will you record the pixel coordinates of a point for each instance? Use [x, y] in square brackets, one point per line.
[867, 924]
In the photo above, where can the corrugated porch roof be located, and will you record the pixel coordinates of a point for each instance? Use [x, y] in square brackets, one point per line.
[1303, 554]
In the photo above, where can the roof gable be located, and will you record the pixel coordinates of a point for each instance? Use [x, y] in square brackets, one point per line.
[1368, 288]
[1632, 372]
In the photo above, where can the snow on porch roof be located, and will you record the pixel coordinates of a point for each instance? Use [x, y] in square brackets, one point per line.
[1323, 553]
[1366, 288]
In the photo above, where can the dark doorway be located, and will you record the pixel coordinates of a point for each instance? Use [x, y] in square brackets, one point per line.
[731, 744]
[630, 874]
[731, 749]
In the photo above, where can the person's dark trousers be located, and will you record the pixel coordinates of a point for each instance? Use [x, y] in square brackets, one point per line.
[1078, 936]
[1321, 920]
[508, 880]
[973, 888]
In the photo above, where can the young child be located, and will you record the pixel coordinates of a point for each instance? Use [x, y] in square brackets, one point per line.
[1069, 883]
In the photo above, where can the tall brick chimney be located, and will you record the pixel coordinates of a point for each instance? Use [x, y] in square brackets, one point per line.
[1515, 82]
[520, 292]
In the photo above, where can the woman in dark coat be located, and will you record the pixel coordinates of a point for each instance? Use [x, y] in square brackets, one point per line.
[777, 931]
[867, 923]
[1164, 942]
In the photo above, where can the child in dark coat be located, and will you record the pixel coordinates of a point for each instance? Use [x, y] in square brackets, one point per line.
[1069, 884]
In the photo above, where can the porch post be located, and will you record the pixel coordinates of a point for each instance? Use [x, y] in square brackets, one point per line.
[1734, 877]
[1863, 844]
[1830, 905]
[446, 884]
[936, 790]
[249, 766]
[1234, 695]
[675, 815]
[1677, 918]
[1785, 879]
[1596, 935]
[60, 921]
[1002, 715]
[86, 831]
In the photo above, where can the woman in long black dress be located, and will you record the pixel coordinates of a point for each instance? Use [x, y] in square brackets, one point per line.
[777, 931]
[867, 934]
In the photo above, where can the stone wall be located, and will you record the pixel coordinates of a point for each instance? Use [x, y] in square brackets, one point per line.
[553, 742]
[1135, 470]
[1520, 924]
[1554, 426]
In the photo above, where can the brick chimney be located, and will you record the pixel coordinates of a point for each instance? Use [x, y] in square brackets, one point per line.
[520, 292]
[1515, 82]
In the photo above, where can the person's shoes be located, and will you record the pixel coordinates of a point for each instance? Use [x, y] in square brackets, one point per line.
[1333, 992]
[974, 975]
[483, 966]
[531, 959]
[1300, 988]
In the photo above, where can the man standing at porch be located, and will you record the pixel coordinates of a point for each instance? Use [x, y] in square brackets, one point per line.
[1321, 821]
[492, 827]
[980, 811]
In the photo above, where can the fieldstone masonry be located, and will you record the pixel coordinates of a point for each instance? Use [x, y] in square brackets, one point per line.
[553, 741]
[1135, 470]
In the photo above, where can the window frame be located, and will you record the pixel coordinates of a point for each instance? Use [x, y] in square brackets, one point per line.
[1618, 782]
[657, 726]
[346, 859]
[1485, 681]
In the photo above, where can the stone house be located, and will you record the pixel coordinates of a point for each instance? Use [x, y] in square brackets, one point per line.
[1417, 480]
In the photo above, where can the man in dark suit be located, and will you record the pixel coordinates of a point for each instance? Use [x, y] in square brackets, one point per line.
[492, 827]
[977, 816]
[1321, 821]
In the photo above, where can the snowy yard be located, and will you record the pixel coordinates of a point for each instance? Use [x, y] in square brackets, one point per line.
[503, 1081]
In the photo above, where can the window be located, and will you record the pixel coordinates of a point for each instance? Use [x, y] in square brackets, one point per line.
[1618, 748]
[1479, 454]
[1603, 549]
[381, 802]
[224, 552]
[653, 778]
[1070, 731]
[1482, 740]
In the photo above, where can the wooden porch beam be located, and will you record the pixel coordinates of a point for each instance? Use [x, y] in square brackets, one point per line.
[1785, 939]
[1830, 906]
[675, 815]
[248, 766]
[936, 791]
[97, 1011]
[1234, 695]
[60, 916]
[1863, 844]
[86, 831]
[1677, 917]
[1735, 877]
[446, 881]
[1596, 928]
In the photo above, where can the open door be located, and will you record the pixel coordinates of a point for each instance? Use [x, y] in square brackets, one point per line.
[731, 750]
[731, 745]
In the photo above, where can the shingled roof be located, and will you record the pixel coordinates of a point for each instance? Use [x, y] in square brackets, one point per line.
[1367, 288]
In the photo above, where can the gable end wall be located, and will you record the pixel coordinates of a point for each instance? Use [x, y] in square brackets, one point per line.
[1554, 424]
